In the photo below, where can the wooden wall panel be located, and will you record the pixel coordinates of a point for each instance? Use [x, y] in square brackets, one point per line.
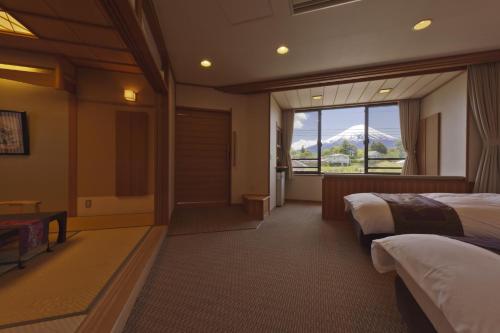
[335, 187]
[131, 153]
[429, 146]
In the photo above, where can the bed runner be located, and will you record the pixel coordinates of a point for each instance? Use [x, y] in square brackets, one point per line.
[416, 214]
[490, 244]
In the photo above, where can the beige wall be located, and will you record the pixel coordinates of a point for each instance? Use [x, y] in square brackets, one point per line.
[275, 120]
[250, 120]
[171, 128]
[100, 96]
[42, 175]
[451, 101]
[304, 187]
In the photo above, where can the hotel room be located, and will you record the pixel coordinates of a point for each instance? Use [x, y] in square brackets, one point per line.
[249, 166]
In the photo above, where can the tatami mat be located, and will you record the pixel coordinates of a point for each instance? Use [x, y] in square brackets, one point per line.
[68, 280]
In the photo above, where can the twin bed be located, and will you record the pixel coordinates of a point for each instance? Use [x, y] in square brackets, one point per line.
[446, 253]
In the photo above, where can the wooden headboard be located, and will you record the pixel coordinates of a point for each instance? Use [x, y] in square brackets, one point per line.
[336, 186]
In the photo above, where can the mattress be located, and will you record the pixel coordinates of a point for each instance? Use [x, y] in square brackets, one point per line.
[455, 284]
[478, 212]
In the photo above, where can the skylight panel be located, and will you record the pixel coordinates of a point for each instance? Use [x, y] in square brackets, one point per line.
[9, 25]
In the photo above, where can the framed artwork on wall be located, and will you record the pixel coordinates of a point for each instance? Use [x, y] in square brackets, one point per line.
[14, 136]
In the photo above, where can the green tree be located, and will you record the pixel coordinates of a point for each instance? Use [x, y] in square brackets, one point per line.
[348, 148]
[378, 146]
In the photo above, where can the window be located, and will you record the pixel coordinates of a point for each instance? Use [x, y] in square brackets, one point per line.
[364, 139]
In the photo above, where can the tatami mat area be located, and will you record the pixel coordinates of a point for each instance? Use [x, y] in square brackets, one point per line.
[66, 281]
[295, 273]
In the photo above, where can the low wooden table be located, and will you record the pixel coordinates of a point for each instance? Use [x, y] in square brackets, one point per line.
[12, 225]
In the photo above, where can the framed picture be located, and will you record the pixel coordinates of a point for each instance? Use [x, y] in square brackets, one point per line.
[14, 138]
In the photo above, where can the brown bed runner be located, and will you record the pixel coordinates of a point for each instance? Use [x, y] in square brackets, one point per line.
[416, 214]
[490, 244]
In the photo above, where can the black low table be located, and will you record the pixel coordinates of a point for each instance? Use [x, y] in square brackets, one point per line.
[13, 223]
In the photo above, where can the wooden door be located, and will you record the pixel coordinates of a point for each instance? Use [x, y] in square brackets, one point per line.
[202, 157]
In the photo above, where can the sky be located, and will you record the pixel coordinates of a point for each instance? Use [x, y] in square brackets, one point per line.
[383, 118]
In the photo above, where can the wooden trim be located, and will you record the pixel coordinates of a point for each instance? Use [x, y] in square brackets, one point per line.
[118, 104]
[110, 313]
[269, 126]
[202, 109]
[162, 168]
[124, 19]
[73, 155]
[367, 73]
[196, 85]
[343, 106]
[155, 27]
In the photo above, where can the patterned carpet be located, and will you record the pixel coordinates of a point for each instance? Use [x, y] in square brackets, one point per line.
[295, 273]
[187, 221]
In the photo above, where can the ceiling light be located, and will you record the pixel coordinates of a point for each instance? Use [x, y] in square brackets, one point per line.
[282, 50]
[424, 24]
[317, 97]
[206, 63]
[129, 95]
[25, 69]
[9, 25]
[385, 91]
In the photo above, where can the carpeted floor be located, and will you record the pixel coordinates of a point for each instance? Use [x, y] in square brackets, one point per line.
[295, 273]
[186, 221]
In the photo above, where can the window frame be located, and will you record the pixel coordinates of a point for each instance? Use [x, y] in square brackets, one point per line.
[367, 159]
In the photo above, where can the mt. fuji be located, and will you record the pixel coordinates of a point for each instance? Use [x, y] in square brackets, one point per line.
[354, 134]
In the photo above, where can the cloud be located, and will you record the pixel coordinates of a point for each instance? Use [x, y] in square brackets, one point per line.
[298, 120]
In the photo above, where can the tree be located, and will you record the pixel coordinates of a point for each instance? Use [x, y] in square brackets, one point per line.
[400, 148]
[348, 148]
[378, 146]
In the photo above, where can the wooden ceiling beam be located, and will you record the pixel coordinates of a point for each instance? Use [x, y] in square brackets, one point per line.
[125, 21]
[154, 25]
[369, 73]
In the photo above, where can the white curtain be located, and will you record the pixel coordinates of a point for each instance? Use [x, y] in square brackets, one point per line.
[483, 96]
[287, 128]
[409, 119]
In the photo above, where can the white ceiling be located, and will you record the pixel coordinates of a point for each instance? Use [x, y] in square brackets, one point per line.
[364, 92]
[241, 36]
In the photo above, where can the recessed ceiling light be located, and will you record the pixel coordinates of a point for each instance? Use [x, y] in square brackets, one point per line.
[282, 50]
[385, 91]
[317, 97]
[424, 24]
[206, 63]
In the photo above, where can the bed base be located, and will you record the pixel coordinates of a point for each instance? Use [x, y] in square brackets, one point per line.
[365, 240]
[410, 311]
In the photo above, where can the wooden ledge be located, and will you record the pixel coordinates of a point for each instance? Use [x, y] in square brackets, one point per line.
[111, 311]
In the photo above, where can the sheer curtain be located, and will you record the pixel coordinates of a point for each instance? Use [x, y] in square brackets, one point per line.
[483, 96]
[287, 128]
[409, 118]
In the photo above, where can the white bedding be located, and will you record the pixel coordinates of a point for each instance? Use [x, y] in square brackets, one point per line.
[478, 212]
[461, 280]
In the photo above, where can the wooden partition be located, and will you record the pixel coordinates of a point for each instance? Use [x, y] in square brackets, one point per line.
[335, 187]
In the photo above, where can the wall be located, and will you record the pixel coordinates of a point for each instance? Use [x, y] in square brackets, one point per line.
[42, 175]
[171, 140]
[451, 101]
[304, 187]
[275, 121]
[250, 121]
[100, 95]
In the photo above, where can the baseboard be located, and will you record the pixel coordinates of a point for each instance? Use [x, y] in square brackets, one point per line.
[303, 201]
[112, 310]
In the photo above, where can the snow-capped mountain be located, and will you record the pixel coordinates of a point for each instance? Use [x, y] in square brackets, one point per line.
[354, 134]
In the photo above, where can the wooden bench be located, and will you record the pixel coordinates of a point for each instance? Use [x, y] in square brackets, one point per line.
[23, 203]
[256, 205]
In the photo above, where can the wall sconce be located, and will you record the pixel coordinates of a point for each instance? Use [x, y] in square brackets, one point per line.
[129, 95]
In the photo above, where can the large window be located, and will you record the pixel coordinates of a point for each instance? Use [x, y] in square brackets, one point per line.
[365, 139]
